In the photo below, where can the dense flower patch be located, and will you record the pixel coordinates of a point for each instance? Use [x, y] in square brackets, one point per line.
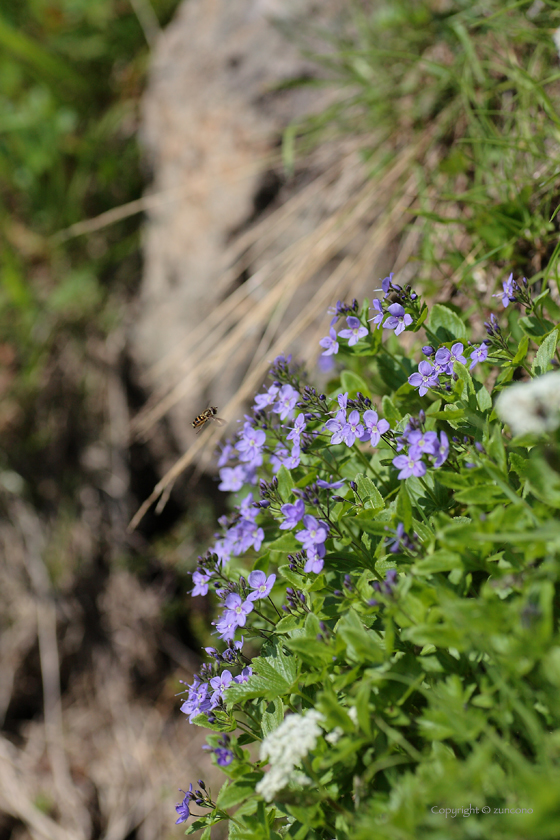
[387, 584]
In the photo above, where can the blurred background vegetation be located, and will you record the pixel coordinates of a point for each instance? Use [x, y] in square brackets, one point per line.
[71, 77]
[480, 81]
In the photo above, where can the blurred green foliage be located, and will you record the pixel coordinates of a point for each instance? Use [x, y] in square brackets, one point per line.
[71, 76]
[481, 81]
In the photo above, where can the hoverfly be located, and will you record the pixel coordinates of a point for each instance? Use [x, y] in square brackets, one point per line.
[210, 414]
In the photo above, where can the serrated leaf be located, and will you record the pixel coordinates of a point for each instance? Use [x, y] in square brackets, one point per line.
[446, 325]
[369, 493]
[287, 624]
[544, 354]
[273, 676]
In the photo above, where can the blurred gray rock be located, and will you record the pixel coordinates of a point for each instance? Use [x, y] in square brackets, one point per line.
[212, 115]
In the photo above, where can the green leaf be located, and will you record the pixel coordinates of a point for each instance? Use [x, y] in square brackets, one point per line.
[369, 493]
[535, 327]
[544, 354]
[206, 821]
[273, 675]
[352, 383]
[521, 351]
[287, 542]
[362, 645]
[480, 494]
[404, 508]
[272, 715]
[390, 412]
[421, 318]
[483, 397]
[544, 482]
[285, 484]
[440, 561]
[446, 325]
[233, 793]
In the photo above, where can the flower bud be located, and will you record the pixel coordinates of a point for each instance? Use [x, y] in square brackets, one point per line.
[428, 350]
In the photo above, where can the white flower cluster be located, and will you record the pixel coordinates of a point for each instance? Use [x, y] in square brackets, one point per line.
[285, 747]
[531, 406]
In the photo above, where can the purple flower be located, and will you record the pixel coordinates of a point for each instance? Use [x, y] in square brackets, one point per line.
[394, 546]
[219, 684]
[337, 426]
[314, 562]
[232, 478]
[330, 343]
[442, 361]
[398, 320]
[354, 332]
[374, 427]
[378, 317]
[262, 400]
[287, 399]
[261, 584]
[314, 533]
[409, 466]
[391, 575]
[508, 293]
[227, 626]
[456, 355]
[200, 580]
[183, 807]
[326, 364]
[250, 445]
[422, 443]
[293, 514]
[352, 429]
[297, 431]
[243, 677]
[224, 757]
[343, 400]
[240, 609]
[225, 454]
[385, 285]
[425, 378]
[478, 355]
[197, 701]
[326, 486]
[442, 450]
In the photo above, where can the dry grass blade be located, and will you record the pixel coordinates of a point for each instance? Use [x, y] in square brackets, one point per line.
[18, 801]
